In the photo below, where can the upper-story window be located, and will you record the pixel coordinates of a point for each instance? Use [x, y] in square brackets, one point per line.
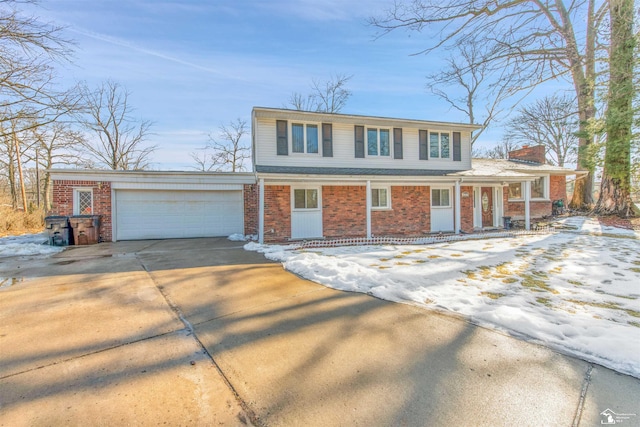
[378, 142]
[439, 145]
[304, 138]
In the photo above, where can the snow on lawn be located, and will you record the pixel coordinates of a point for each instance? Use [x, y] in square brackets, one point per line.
[27, 244]
[572, 291]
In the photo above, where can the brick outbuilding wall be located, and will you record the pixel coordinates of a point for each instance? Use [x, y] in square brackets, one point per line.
[409, 215]
[344, 211]
[63, 202]
[558, 188]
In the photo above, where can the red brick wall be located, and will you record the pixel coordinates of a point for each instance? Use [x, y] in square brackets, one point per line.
[558, 188]
[251, 212]
[63, 202]
[466, 209]
[530, 154]
[409, 214]
[344, 211]
[277, 213]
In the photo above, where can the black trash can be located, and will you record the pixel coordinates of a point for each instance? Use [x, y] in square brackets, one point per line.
[507, 222]
[59, 231]
[85, 229]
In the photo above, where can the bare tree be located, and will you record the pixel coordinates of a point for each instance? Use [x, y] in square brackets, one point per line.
[501, 150]
[224, 152]
[119, 138]
[544, 39]
[484, 89]
[56, 144]
[28, 49]
[329, 96]
[551, 121]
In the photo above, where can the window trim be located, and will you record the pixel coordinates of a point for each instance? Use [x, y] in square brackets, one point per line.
[390, 142]
[449, 206]
[306, 188]
[304, 137]
[440, 133]
[388, 205]
[76, 200]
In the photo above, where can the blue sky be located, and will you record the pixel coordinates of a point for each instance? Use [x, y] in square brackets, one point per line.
[193, 65]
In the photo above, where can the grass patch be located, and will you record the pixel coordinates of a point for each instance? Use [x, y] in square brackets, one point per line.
[402, 263]
[492, 295]
[634, 323]
[428, 301]
[471, 275]
[544, 301]
[509, 280]
[575, 282]
[384, 259]
[383, 267]
[456, 255]
[420, 261]
[434, 256]
[635, 269]
[536, 283]
[610, 305]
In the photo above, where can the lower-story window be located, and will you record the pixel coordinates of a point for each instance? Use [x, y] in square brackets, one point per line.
[440, 197]
[83, 201]
[380, 198]
[305, 198]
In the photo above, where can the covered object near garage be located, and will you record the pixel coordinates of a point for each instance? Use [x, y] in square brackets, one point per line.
[137, 205]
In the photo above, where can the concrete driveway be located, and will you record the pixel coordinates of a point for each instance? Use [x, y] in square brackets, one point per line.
[200, 332]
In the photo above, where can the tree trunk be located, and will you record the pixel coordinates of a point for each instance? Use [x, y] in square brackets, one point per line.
[615, 193]
[584, 82]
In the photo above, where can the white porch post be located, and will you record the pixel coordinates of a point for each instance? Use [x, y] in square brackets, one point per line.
[458, 207]
[527, 197]
[368, 199]
[261, 211]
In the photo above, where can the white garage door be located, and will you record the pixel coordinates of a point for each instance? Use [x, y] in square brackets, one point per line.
[163, 214]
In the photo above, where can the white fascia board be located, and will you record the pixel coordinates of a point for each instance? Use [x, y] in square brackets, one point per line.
[287, 179]
[284, 114]
[154, 177]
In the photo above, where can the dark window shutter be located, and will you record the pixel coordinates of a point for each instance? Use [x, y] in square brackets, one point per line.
[359, 141]
[327, 140]
[457, 149]
[282, 140]
[397, 143]
[424, 147]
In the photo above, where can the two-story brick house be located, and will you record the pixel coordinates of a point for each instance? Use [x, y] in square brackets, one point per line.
[334, 175]
[320, 175]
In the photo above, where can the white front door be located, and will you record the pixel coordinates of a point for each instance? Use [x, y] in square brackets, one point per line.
[306, 212]
[442, 209]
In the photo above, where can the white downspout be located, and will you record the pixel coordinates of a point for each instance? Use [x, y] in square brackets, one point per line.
[261, 211]
[527, 213]
[368, 198]
[458, 207]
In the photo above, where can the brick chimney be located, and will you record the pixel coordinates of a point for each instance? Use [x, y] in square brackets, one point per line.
[534, 154]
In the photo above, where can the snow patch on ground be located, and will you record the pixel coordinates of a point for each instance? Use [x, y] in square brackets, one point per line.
[238, 237]
[27, 245]
[577, 292]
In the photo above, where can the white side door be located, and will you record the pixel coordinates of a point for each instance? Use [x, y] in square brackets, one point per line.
[306, 212]
[442, 209]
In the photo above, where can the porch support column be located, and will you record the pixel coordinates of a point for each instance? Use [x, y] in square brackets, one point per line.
[458, 207]
[527, 205]
[261, 211]
[368, 201]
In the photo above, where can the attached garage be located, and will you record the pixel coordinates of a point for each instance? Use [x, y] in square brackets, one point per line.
[139, 205]
[162, 214]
